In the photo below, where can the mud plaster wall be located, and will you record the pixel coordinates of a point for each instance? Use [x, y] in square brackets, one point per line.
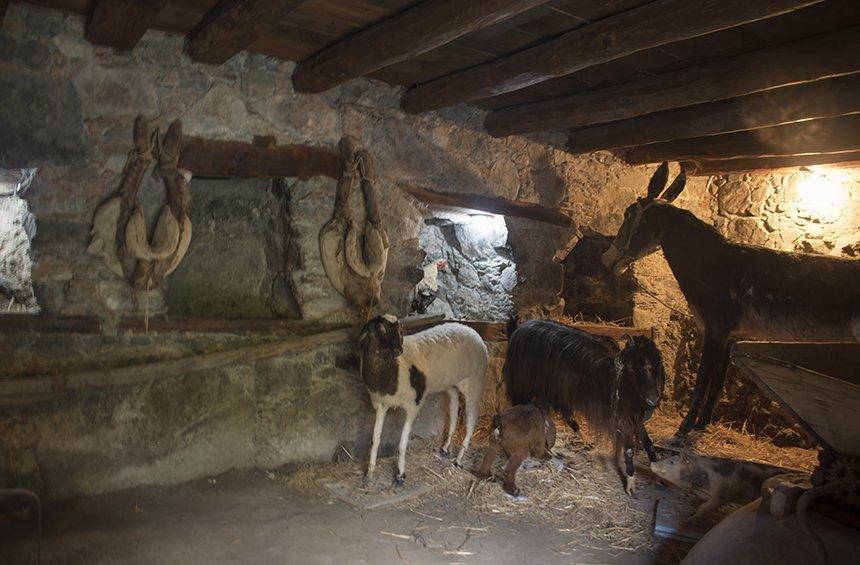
[812, 212]
[68, 109]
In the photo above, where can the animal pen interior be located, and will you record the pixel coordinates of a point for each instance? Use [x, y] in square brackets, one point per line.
[235, 235]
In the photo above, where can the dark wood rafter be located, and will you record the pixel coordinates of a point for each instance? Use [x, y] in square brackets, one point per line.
[651, 25]
[428, 25]
[490, 204]
[821, 99]
[262, 159]
[233, 25]
[701, 168]
[812, 59]
[829, 135]
[121, 23]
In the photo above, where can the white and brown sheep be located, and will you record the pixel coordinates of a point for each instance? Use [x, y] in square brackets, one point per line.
[400, 372]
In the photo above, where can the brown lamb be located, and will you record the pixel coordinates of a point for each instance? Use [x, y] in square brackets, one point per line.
[521, 432]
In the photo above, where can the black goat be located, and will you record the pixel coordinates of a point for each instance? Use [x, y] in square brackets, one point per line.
[571, 371]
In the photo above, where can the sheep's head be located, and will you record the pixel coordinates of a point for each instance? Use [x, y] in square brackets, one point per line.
[642, 366]
[383, 335]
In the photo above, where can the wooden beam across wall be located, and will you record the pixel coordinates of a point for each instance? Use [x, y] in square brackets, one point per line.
[121, 23]
[810, 59]
[701, 168]
[489, 204]
[827, 98]
[263, 159]
[828, 135]
[233, 25]
[650, 25]
[420, 29]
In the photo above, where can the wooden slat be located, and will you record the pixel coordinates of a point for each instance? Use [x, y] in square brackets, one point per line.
[43, 323]
[428, 25]
[657, 23]
[187, 365]
[811, 59]
[694, 168]
[490, 204]
[206, 157]
[233, 25]
[821, 99]
[830, 135]
[121, 23]
[497, 331]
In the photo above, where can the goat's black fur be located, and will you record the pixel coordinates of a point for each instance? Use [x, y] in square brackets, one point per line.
[562, 368]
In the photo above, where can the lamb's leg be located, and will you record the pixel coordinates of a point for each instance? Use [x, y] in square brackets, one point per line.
[489, 457]
[472, 400]
[374, 446]
[647, 443]
[400, 477]
[630, 485]
[514, 461]
[453, 414]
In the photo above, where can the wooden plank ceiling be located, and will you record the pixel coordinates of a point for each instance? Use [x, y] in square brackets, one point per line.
[720, 84]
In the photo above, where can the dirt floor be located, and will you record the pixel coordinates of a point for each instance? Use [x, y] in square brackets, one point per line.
[574, 511]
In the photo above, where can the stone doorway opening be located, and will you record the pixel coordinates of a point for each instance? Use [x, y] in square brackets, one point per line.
[17, 230]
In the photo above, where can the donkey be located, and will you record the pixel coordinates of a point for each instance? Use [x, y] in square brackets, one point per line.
[736, 291]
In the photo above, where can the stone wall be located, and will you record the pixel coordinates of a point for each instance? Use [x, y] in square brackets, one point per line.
[69, 108]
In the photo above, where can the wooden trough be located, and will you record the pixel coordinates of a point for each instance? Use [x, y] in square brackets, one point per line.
[818, 384]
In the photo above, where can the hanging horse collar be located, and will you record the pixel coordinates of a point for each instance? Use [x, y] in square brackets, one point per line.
[119, 233]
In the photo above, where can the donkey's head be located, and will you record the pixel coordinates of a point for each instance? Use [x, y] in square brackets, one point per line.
[635, 238]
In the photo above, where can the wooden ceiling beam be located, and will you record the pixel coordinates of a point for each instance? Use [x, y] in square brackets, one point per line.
[233, 25]
[699, 168]
[262, 159]
[651, 25]
[493, 205]
[121, 23]
[828, 135]
[827, 98]
[806, 60]
[428, 25]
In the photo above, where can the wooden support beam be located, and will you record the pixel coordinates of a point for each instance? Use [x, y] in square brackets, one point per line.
[121, 23]
[650, 25]
[489, 204]
[55, 384]
[829, 135]
[694, 168]
[21, 323]
[811, 59]
[827, 98]
[233, 25]
[210, 158]
[428, 25]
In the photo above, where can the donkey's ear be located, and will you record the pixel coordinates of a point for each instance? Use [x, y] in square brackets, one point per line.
[658, 180]
[676, 187]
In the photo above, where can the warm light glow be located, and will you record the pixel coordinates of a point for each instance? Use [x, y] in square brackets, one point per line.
[823, 195]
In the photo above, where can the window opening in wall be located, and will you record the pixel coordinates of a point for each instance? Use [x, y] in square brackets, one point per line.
[469, 270]
[17, 230]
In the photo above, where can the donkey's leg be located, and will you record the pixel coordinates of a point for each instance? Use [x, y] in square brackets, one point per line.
[710, 356]
[715, 389]
[577, 431]
[453, 414]
[374, 446]
[473, 401]
[411, 414]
